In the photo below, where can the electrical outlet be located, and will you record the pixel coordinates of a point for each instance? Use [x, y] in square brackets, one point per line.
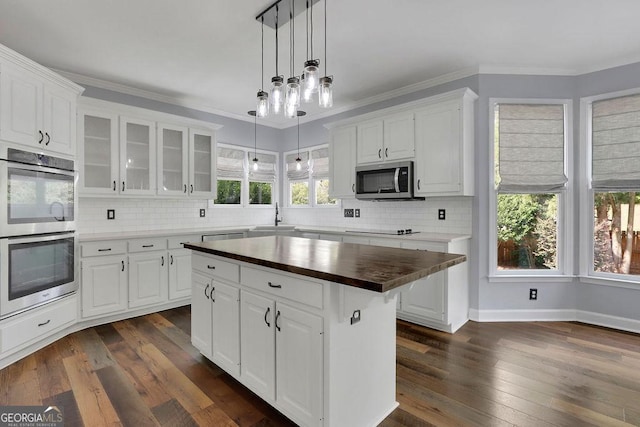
[533, 294]
[441, 214]
[202, 213]
[357, 213]
[111, 214]
[348, 213]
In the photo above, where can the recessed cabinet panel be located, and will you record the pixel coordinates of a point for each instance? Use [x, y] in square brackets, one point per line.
[21, 107]
[179, 273]
[342, 152]
[370, 142]
[137, 156]
[426, 297]
[98, 153]
[399, 137]
[201, 312]
[104, 285]
[202, 172]
[148, 278]
[173, 146]
[226, 327]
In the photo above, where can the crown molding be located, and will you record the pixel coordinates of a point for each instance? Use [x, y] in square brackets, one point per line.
[538, 71]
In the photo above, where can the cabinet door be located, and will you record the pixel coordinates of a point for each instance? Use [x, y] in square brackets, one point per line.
[137, 157]
[98, 152]
[21, 106]
[173, 159]
[104, 285]
[370, 142]
[179, 273]
[342, 163]
[202, 164]
[438, 144]
[59, 120]
[299, 364]
[426, 297]
[148, 278]
[226, 327]
[201, 313]
[257, 344]
[399, 137]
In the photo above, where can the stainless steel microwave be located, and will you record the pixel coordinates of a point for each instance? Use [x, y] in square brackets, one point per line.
[385, 181]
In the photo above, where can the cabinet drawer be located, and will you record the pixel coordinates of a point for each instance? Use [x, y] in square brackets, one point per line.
[151, 244]
[426, 246]
[216, 267]
[290, 287]
[107, 247]
[176, 242]
[37, 323]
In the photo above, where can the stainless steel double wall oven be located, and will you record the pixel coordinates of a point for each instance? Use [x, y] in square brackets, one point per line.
[37, 229]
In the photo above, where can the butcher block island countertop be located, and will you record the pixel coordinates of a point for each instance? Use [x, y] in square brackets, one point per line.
[308, 325]
[374, 268]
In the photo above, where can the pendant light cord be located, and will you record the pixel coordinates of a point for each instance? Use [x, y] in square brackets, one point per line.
[307, 29]
[311, 42]
[276, 39]
[291, 38]
[255, 137]
[326, 73]
[262, 55]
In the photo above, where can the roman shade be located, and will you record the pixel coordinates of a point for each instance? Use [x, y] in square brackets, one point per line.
[266, 167]
[530, 148]
[320, 162]
[230, 163]
[615, 140]
[292, 172]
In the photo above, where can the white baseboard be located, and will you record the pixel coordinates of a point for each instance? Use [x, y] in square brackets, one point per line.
[566, 315]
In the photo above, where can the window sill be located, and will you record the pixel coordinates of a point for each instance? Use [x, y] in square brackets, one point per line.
[522, 278]
[610, 281]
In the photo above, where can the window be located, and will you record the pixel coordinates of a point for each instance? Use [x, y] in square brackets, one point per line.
[309, 178]
[230, 173]
[530, 185]
[615, 186]
[240, 185]
[262, 179]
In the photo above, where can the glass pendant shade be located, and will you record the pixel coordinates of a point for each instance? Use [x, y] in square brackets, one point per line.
[311, 75]
[290, 111]
[293, 91]
[262, 107]
[277, 93]
[255, 163]
[298, 163]
[325, 92]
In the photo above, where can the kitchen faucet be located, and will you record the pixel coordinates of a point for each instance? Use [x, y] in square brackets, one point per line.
[277, 220]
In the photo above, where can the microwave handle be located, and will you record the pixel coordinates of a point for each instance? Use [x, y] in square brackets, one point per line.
[396, 180]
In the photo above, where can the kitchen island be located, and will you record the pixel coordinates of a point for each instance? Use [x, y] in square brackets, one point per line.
[308, 325]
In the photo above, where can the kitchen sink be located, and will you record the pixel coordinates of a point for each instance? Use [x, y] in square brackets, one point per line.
[274, 228]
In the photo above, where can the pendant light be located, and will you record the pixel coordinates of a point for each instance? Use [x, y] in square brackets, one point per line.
[325, 89]
[255, 138]
[298, 159]
[310, 74]
[277, 89]
[262, 108]
[292, 97]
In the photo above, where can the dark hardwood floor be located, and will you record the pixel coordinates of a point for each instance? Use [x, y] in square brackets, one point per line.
[144, 371]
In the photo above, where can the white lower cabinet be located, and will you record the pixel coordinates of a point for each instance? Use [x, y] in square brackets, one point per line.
[148, 278]
[179, 273]
[225, 326]
[201, 313]
[104, 285]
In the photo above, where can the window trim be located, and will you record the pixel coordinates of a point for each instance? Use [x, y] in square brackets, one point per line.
[586, 271]
[565, 200]
[244, 189]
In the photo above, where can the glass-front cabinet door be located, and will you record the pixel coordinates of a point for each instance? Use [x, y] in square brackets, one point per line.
[202, 172]
[173, 149]
[137, 156]
[98, 152]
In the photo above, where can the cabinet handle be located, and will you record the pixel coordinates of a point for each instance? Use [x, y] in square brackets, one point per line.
[205, 291]
[171, 262]
[191, 186]
[114, 185]
[380, 153]
[185, 188]
[48, 138]
[104, 250]
[386, 152]
[265, 316]
[41, 137]
[277, 317]
[122, 185]
[213, 289]
[122, 265]
[353, 188]
[418, 184]
[45, 323]
[147, 246]
[162, 265]
[271, 285]
[211, 267]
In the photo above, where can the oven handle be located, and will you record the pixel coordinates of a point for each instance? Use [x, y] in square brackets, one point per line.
[38, 168]
[40, 238]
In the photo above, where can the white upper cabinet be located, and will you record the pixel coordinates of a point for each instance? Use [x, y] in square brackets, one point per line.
[342, 152]
[388, 138]
[444, 146]
[144, 153]
[35, 111]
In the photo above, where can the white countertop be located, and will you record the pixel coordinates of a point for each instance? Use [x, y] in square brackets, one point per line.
[416, 236]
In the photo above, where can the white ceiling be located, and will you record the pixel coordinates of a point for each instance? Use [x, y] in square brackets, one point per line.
[206, 54]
